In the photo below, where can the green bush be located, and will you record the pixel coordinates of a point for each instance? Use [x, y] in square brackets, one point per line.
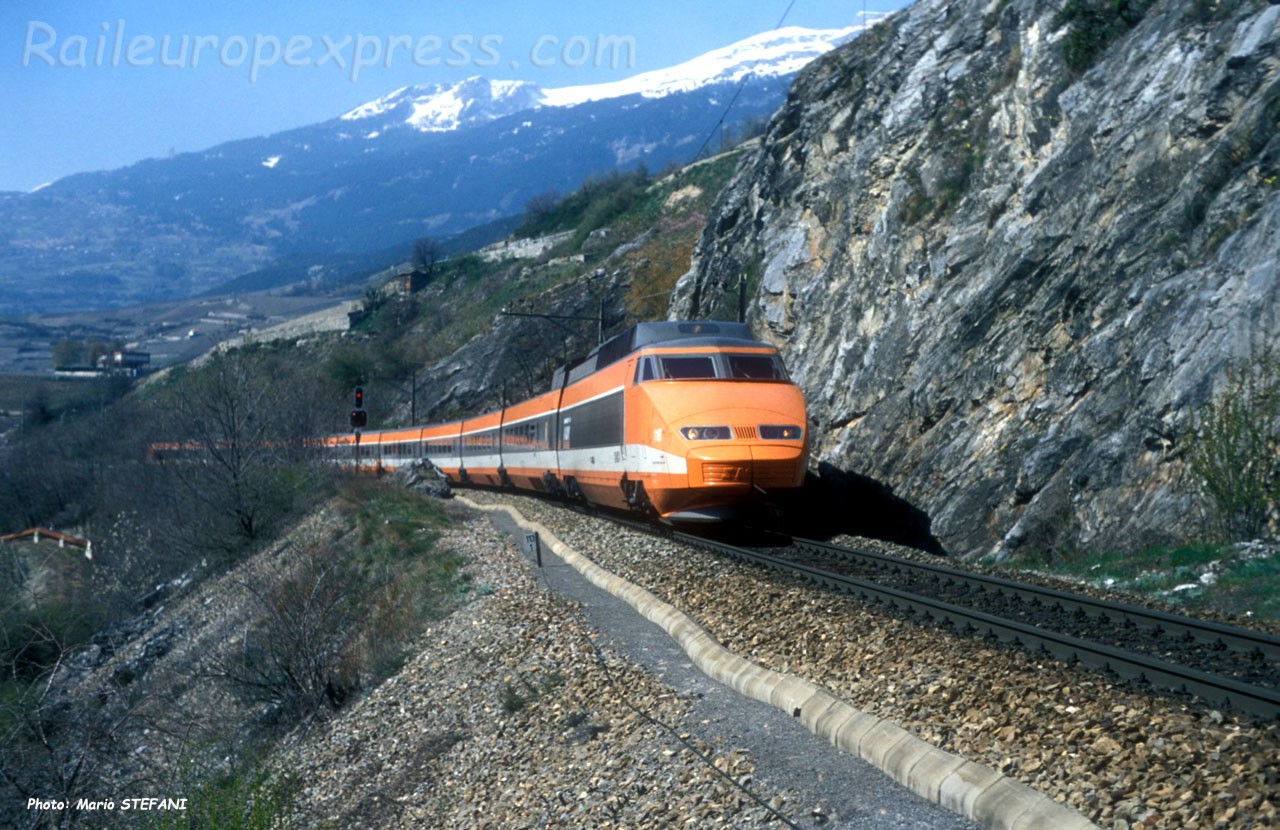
[1235, 452]
[1094, 25]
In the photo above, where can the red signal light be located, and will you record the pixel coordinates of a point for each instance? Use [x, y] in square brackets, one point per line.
[359, 397]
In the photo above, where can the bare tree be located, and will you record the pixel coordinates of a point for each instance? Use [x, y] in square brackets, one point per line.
[296, 656]
[240, 447]
[53, 747]
[426, 255]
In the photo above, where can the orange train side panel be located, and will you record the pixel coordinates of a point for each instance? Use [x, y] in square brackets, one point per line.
[597, 471]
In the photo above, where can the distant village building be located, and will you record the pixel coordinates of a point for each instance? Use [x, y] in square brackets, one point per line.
[413, 281]
[121, 362]
[72, 359]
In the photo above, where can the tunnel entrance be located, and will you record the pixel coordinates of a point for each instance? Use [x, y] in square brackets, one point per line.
[835, 501]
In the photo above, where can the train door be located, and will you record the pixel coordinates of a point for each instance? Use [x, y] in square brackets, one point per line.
[631, 451]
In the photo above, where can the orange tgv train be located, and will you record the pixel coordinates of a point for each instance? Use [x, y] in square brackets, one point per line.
[685, 421]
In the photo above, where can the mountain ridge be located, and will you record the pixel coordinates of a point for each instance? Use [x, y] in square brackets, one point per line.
[448, 106]
[169, 228]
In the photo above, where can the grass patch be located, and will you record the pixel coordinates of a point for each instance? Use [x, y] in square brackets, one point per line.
[516, 696]
[407, 576]
[1251, 586]
[1242, 580]
[397, 532]
[336, 618]
[252, 798]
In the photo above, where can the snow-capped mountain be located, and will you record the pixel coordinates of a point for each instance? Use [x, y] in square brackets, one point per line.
[773, 54]
[443, 107]
[424, 160]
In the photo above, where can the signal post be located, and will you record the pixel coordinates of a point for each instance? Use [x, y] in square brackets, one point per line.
[359, 418]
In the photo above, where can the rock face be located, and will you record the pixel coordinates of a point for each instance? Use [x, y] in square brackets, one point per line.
[515, 359]
[1007, 286]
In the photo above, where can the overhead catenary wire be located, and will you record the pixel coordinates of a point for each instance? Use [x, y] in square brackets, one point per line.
[737, 92]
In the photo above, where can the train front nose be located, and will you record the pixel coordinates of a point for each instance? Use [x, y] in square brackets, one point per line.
[738, 446]
[763, 467]
[736, 483]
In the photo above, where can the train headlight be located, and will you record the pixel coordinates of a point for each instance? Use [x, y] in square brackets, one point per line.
[780, 432]
[706, 433]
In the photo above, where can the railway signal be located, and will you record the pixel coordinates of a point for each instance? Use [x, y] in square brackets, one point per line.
[359, 417]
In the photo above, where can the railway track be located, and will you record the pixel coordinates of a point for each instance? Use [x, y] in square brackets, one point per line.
[1221, 664]
[1116, 751]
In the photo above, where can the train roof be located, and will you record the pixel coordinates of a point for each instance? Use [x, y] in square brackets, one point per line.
[649, 334]
[641, 335]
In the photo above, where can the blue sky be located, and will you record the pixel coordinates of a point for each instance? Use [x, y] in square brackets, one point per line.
[99, 84]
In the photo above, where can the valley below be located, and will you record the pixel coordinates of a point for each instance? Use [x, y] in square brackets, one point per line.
[171, 332]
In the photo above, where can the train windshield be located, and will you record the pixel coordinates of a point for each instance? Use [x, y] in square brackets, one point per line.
[688, 368]
[755, 367]
[721, 365]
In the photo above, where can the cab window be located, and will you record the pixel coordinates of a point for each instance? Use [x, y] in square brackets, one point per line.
[645, 370]
[688, 368]
[755, 367]
[717, 365]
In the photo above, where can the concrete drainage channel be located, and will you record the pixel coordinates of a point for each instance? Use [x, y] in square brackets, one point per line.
[970, 789]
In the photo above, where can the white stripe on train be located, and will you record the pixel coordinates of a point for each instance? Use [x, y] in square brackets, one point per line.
[632, 458]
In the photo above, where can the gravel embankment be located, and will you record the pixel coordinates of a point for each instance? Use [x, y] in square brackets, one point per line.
[506, 718]
[1121, 755]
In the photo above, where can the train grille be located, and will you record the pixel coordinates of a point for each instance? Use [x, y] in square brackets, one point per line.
[775, 474]
[725, 474]
[744, 432]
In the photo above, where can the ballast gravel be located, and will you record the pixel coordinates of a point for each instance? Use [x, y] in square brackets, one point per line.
[1122, 755]
[508, 716]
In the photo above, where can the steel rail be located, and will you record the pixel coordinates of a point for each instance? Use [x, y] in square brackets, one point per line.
[1237, 639]
[1264, 703]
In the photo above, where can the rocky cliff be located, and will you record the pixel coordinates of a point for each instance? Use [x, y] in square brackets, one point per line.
[1008, 279]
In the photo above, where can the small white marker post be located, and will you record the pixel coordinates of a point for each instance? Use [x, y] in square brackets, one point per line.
[532, 544]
